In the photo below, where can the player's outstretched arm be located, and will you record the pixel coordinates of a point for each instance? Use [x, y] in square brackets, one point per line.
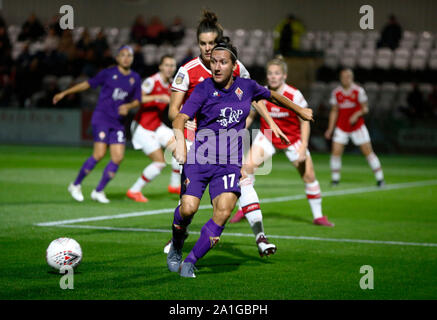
[303, 113]
[124, 108]
[82, 86]
[176, 100]
[262, 110]
[333, 114]
[180, 152]
[250, 118]
[145, 98]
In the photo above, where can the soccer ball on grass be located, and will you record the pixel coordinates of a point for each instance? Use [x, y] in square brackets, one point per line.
[64, 252]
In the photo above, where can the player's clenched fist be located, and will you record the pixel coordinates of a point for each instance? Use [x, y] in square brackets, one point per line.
[306, 114]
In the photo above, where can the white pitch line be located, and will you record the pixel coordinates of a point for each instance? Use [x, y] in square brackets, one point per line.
[266, 200]
[247, 235]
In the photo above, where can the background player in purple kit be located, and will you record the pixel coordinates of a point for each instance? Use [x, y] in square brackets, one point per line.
[221, 105]
[121, 91]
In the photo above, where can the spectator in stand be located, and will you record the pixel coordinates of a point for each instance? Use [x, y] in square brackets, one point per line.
[51, 41]
[416, 103]
[176, 31]
[32, 29]
[156, 31]
[2, 22]
[287, 35]
[100, 44]
[28, 80]
[4, 38]
[138, 65]
[54, 24]
[6, 67]
[432, 101]
[84, 43]
[391, 34]
[138, 30]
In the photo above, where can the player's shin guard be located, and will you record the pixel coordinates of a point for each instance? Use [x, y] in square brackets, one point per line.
[335, 164]
[179, 228]
[374, 163]
[175, 178]
[314, 197]
[209, 236]
[150, 172]
[87, 167]
[250, 205]
[109, 173]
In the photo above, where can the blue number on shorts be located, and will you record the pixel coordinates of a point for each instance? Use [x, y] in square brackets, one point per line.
[225, 180]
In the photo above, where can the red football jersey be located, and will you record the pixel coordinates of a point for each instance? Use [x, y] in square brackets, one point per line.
[348, 102]
[194, 72]
[286, 119]
[150, 114]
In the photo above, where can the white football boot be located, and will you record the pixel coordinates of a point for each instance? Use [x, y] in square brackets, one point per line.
[99, 196]
[76, 192]
[265, 248]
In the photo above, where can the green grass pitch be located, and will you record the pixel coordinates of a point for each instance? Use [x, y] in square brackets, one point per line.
[128, 262]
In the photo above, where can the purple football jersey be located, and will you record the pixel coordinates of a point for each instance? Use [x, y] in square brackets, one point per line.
[221, 119]
[117, 89]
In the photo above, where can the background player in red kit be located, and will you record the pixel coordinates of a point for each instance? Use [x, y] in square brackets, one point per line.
[349, 105]
[148, 131]
[265, 146]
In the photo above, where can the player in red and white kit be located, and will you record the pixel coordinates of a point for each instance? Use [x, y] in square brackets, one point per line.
[194, 72]
[349, 105]
[150, 134]
[265, 146]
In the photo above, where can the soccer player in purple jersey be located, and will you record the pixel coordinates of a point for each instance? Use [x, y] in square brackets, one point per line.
[120, 92]
[221, 105]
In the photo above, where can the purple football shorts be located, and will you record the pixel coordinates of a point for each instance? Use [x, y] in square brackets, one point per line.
[108, 135]
[221, 178]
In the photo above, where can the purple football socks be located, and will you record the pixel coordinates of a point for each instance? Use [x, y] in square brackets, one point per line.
[209, 236]
[179, 228]
[109, 173]
[87, 166]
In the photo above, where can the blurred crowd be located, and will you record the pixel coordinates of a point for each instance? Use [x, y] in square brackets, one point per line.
[25, 79]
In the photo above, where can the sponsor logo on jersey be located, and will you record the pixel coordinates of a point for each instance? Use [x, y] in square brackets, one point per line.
[114, 77]
[216, 94]
[102, 135]
[119, 94]
[239, 93]
[201, 79]
[179, 78]
[132, 81]
[228, 116]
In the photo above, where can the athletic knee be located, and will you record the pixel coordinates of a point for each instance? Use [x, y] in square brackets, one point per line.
[188, 209]
[309, 177]
[117, 159]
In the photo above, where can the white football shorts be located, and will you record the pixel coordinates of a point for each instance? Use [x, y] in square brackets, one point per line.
[150, 141]
[292, 152]
[358, 137]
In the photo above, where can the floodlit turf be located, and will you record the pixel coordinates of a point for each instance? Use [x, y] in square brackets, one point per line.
[130, 264]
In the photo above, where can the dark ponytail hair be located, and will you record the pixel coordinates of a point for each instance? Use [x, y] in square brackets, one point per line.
[224, 43]
[208, 23]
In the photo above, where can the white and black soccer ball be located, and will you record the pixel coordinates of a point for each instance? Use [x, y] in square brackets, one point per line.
[64, 252]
